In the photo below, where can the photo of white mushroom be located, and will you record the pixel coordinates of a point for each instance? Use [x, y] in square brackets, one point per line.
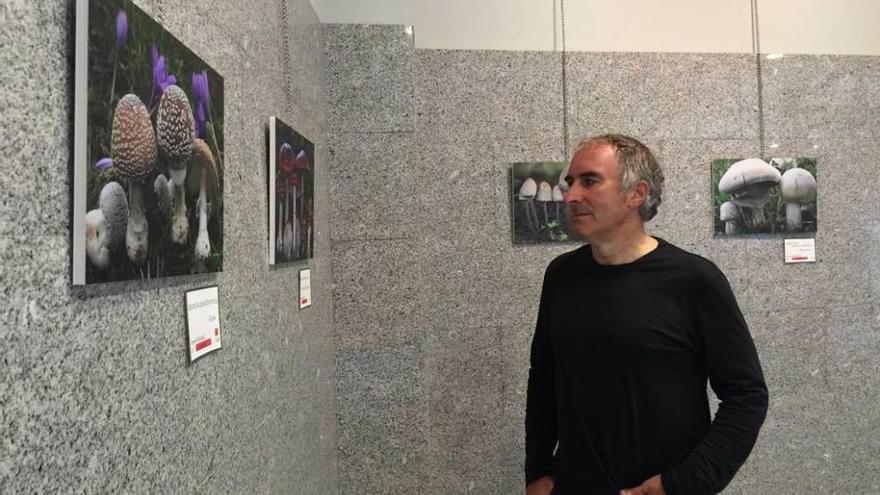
[291, 194]
[756, 196]
[148, 151]
[537, 206]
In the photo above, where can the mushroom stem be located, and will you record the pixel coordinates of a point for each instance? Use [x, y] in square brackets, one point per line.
[758, 217]
[179, 223]
[136, 232]
[534, 213]
[203, 243]
[279, 230]
[793, 217]
[730, 228]
[546, 218]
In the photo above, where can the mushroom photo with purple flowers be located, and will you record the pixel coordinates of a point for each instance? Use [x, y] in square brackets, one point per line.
[753, 196]
[148, 150]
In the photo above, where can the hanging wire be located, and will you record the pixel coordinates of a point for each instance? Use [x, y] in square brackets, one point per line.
[286, 61]
[756, 50]
[564, 81]
[160, 13]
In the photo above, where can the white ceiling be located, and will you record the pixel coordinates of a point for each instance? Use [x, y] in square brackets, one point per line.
[786, 26]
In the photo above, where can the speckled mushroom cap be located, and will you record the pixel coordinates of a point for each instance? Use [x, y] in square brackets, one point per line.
[114, 206]
[545, 192]
[745, 173]
[133, 144]
[202, 163]
[174, 128]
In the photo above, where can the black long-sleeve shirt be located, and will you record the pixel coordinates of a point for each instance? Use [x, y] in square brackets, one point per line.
[619, 363]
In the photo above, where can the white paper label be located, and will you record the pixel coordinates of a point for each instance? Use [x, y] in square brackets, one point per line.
[203, 321]
[800, 250]
[305, 288]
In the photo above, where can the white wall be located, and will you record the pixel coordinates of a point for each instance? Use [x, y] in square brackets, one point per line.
[786, 26]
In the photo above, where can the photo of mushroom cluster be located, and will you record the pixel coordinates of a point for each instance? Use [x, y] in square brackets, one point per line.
[148, 179]
[291, 194]
[538, 211]
[753, 196]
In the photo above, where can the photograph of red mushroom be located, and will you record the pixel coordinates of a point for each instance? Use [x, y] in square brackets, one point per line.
[538, 210]
[291, 194]
[148, 150]
[754, 196]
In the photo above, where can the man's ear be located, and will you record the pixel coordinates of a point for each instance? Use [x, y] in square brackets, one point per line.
[638, 194]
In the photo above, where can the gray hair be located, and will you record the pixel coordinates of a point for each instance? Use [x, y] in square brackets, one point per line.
[636, 163]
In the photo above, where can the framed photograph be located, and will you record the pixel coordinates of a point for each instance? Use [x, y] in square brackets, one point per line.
[291, 194]
[753, 196]
[538, 210]
[148, 150]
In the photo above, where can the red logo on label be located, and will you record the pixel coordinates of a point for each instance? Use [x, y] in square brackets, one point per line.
[201, 345]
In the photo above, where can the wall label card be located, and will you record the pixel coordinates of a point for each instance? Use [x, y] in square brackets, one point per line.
[305, 288]
[800, 250]
[202, 321]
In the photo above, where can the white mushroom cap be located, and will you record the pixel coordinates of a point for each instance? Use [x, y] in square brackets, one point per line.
[114, 207]
[97, 239]
[174, 128]
[798, 186]
[529, 189]
[133, 144]
[729, 212]
[545, 193]
[558, 195]
[745, 173]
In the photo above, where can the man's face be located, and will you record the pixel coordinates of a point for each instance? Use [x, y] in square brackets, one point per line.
[597, 203]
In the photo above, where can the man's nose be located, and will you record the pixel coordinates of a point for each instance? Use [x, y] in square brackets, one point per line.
[569, 196]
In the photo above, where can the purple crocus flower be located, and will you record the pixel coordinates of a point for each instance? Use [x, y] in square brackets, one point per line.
[161, 78]
[103, 164]
[121, 28]
[202, 97]
[200, 90]
[200, 120]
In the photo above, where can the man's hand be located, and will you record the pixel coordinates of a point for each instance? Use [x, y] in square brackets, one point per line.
[652, 486]
[541, 486]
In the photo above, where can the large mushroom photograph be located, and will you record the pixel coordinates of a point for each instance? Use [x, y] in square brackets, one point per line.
[756, 196]
[291, 194]
[538, 210]
[148, 150]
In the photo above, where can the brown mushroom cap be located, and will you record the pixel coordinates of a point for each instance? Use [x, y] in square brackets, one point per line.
[202, 162]
[174, 128]
[133, 144]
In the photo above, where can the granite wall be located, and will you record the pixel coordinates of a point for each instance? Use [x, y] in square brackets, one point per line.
[435, 307]
[97, 394]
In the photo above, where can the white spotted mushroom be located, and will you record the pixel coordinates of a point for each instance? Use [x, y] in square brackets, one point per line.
[133, 147]
[748, 183]
[798, 187]
[203, 179]
[175, 134]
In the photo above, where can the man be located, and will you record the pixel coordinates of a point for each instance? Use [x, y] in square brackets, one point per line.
[629, 330]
